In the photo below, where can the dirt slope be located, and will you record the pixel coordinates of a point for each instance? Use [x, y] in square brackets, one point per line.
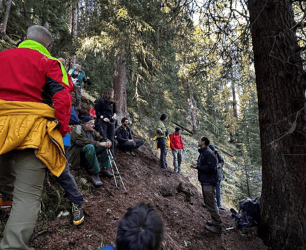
[177, 200]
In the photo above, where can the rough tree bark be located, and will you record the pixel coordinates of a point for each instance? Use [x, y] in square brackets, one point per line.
[6, 16]
[281, 100]
[192, 109]
[74, 28]
[119, 81]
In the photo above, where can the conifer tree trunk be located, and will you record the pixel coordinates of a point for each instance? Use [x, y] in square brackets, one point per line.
[192, 109]
[120, 87]
[281, 100]
[6, 16]
[74, 28]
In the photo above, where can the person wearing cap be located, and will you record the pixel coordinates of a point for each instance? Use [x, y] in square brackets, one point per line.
[161, 135]
[85, 140]
[177, 147]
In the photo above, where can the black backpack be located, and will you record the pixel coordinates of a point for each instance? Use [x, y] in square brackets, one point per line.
[248, 214]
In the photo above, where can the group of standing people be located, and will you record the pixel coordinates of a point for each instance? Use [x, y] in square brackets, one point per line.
[209, 166]
[176, 144]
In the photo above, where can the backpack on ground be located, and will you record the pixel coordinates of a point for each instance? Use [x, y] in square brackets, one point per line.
[248, 214]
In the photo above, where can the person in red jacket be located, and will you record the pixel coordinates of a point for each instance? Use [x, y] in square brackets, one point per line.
[177, 146]
[35, 106]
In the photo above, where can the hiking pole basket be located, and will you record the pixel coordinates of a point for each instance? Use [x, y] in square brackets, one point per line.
[112, 161]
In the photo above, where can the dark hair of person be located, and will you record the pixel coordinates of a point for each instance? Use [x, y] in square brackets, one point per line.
[207, 141]
[107, 95]
[140, 229]
[163, 117]
[123, 120]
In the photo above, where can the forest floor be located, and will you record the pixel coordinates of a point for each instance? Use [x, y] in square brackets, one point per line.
[176, 199]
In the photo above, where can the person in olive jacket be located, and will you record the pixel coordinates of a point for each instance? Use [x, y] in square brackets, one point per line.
[85, 139]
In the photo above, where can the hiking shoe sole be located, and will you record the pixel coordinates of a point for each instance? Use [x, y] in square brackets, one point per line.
[79, 222]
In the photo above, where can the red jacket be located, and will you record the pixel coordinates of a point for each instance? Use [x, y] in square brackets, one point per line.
[176, 141]
[30, 74]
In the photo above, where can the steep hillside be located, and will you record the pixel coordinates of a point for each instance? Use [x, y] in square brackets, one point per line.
[177, 200]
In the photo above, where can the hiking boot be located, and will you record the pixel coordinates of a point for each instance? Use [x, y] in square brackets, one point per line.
[96, 180]
[221, 208]
[78, 216]
[133, 153]
[209, 222]
[5, 206]
[128, 152]
[213, 229]
[175, 169]
[106, 173]
[203, 205]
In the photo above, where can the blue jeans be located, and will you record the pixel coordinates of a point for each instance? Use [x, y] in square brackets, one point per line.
[177, 158]
[218, 193]
[161, 143]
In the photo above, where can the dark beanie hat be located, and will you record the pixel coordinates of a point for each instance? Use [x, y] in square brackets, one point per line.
[163, 117]
[86, 118]
[177, 129]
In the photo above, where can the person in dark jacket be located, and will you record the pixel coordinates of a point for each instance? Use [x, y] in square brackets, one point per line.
[106, 115]
[208, 176]
[125, 139]
[220, 176]
[85, 139]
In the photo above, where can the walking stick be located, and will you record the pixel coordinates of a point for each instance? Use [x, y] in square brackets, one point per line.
[112, 161]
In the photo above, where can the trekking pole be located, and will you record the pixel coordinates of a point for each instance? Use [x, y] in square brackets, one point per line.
[110, 160]
[113, 161]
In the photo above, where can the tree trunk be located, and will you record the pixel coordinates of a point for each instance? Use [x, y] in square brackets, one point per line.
[281, 102]
[74, 28]
[234, 99]
[74, 20]
[120, 87]
[192, 109]
[6, 16]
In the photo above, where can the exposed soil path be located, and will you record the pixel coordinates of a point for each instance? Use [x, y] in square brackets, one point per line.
[177, 200]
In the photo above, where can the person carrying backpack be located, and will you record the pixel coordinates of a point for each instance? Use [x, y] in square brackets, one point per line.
[208, 177]
[220, 176]
[177, 146]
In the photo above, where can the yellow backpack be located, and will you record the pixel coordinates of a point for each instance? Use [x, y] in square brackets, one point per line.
[167, 143]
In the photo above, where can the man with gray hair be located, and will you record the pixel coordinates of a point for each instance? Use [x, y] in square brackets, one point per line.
[35, 104]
